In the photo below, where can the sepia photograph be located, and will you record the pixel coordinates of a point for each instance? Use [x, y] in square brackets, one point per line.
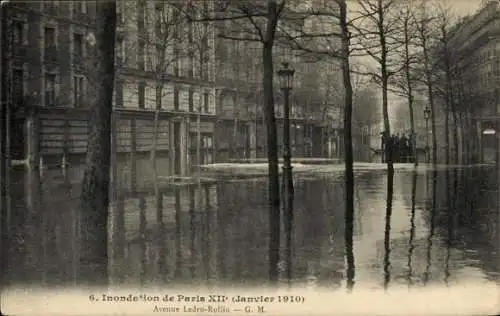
[250, 157]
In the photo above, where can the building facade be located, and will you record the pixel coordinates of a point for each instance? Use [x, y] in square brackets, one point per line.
[475, 65]
[164, 78]
[315, 99]
[175, 82]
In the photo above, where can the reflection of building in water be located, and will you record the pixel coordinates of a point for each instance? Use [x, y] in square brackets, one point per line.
[169, 236]
[467, 217]
[219, 232]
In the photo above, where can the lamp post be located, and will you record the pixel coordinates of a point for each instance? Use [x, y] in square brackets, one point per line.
[427, 114]
[286, 80]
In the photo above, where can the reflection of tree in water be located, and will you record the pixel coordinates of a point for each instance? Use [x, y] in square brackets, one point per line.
[172, 237]
[433, 210]
[466, 216]
[411, 245]
[387, 231]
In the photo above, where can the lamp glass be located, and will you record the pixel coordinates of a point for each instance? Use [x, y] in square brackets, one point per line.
[286, 77]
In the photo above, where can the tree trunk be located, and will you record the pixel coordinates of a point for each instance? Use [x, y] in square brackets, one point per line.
[349, 171]
[387, 230]
[430, 95]
[385, 79]
[272, 149]
[156, 127]
[95, 186]
[469, 137]
[462, 136]
[410, 90]
[455, 135]
[198, 139]
[447, 133]
[449, 94]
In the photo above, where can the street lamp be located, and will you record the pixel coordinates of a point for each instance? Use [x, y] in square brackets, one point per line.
[427, 114]
[286, 80]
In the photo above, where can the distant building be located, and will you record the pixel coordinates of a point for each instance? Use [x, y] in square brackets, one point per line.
[314, 104]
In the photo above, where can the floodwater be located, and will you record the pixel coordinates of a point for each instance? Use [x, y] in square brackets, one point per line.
[443, 228]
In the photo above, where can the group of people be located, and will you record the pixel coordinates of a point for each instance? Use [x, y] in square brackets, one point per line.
[401, 148]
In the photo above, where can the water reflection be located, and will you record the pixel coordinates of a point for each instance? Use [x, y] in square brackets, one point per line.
[387, 231]
[433, 210]
[411, 245]
[349, 234]
[405, 230]
[450, 214]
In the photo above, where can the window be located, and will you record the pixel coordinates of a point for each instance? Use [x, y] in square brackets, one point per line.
[17, 87]
[78, 91]
[17, 32]
[158, 18]
[78, 44]
[142, 91]
[49, 37]
[77, 47]
[176, 99]
[206, 99]
[50, 89]
[191, 103]
[80, 7]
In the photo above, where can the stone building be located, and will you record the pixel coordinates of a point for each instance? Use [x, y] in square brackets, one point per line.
[314, 101]
[475, 45]
[198, 95]
[164, 77]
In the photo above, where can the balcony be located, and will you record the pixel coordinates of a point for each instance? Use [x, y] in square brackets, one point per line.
[51, 55]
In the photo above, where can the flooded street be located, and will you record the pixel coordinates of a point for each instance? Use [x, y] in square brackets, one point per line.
[442, 229]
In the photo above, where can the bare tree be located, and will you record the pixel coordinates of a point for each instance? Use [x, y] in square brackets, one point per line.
[162, 50]
[258, 23]
[422, 21]
[378, 30]
[95, 187]
[404, 82]
[349, 169]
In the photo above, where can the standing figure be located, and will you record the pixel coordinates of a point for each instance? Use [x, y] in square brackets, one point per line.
[403, 148]
[395, 148]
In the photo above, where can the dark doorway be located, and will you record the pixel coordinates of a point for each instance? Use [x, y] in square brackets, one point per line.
[244, 141]
[317, 141]
[177, 148]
